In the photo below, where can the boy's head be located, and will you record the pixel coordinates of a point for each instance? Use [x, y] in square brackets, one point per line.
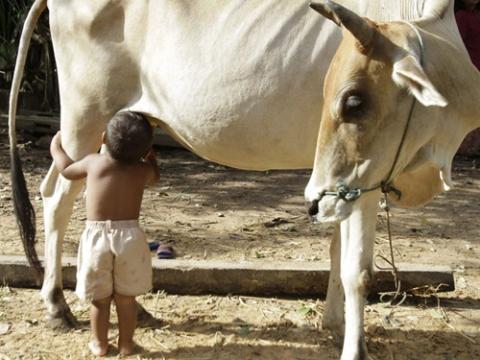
[128, 136]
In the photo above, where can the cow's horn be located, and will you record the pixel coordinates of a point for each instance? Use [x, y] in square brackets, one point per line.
[358, 26]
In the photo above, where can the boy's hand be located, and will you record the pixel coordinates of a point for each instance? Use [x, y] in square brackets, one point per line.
[65, 165]
[56, 137]
[59, 156]
[56, 142]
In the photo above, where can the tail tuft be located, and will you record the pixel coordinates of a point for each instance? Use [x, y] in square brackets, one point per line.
[24, 213]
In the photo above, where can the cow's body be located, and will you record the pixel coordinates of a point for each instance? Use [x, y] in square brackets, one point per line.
[238, 82]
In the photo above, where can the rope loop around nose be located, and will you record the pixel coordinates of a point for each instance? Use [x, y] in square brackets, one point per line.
[351, 194]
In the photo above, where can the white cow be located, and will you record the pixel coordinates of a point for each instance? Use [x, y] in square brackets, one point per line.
[239, 82]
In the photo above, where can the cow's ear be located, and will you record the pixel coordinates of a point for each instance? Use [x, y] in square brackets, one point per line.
[408, 73]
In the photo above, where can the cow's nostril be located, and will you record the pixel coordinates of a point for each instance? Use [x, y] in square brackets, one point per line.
[313, 209]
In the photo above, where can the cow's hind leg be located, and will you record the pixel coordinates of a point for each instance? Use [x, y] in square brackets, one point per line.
[58, 195]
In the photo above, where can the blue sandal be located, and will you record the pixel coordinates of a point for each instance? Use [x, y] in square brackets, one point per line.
[165, 252]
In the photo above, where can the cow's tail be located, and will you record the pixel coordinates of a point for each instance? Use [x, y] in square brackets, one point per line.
[24, 212]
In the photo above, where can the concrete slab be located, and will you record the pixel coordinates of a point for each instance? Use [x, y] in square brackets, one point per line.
[260, 278]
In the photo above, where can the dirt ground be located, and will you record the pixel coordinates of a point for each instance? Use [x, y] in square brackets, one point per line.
[207, 211]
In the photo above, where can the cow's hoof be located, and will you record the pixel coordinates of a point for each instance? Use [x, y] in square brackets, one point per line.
[358, 352]
[362, 355]
[145, 319]
[63, 321]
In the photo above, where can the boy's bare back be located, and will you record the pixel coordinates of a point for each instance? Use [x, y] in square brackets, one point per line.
[115, 179]
[115, 190]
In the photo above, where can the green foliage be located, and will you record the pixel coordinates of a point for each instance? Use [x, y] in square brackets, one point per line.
[12, 15]
[40, 73]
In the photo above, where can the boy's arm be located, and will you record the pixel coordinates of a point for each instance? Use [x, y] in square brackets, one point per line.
[72, 170]
[154, 171]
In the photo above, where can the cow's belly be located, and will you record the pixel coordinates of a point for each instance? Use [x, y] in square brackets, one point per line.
[250, 124]
[246, 141]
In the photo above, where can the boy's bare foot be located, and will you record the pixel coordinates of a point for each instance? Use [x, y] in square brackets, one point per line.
[98, 349]
[129, 349]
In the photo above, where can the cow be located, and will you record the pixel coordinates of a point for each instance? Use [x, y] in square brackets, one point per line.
[237, 82]
[399, 97]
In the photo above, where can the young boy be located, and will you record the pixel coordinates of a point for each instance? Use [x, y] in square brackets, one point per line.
[113, 259]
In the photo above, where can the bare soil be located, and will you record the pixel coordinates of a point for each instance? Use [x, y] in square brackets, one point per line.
[207, 211]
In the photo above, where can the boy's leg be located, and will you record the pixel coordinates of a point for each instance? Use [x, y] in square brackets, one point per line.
[99, 319]
[127, 321]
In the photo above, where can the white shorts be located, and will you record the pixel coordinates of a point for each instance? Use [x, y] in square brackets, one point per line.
[113, 257]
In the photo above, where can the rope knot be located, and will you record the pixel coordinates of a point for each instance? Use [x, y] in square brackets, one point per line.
[347, 194]
[388, 188]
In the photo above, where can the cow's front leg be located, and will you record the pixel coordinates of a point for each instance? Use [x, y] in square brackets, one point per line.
[58, 196]
[333, 317]
[357, 240]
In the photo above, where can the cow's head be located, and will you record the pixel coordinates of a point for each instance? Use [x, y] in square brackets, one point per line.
[374, 78]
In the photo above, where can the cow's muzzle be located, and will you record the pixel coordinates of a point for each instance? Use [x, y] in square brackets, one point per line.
[312, 208]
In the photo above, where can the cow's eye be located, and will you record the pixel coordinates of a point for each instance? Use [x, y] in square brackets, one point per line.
[354, 105]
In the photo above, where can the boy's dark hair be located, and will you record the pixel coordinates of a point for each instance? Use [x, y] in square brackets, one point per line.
[128, 137]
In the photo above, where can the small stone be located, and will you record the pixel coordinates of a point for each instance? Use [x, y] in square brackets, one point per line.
[4, 328]
[461, 283]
